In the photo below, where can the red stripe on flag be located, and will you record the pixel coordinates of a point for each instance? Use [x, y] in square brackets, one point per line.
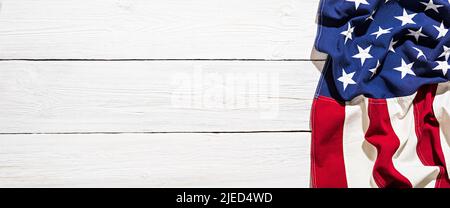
[381, 135]
[427, 129]
[327, 156]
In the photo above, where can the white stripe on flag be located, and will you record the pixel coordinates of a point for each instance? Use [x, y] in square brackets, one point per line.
[441, 107]
[359, 155]
[406, 159]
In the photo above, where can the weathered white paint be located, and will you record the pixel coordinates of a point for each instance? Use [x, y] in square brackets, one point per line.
[155, 160]
[166, 29]
[117, 96]
[155, 96]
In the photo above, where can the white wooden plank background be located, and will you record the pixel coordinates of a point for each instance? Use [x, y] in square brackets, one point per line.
[155, 160]
[87, 92]
[39, 97]
[163, 29]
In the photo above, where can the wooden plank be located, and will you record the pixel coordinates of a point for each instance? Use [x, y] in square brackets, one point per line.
[155, 160]
[159, 96]
[157, 29]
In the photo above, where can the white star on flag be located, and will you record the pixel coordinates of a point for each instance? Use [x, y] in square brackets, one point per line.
[406, 18]
[405, 69]
[371, 15]
[381, 32]
[374, 70]
[346, 79]
[391, 45]
[431, 5]
[446, 53]
[358, 2]
[442, 65]
[363, 54]
[442, 30]
[416, 34]
[420, 53]
[348, 33]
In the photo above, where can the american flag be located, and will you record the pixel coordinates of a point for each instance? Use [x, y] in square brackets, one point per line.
[381, 113]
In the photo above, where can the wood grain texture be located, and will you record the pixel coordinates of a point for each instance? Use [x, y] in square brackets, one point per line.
[155, 160]
[92, 123]
[58, 97]
[157, 29]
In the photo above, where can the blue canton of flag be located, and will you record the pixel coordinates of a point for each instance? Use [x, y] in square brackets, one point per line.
[383, 48]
